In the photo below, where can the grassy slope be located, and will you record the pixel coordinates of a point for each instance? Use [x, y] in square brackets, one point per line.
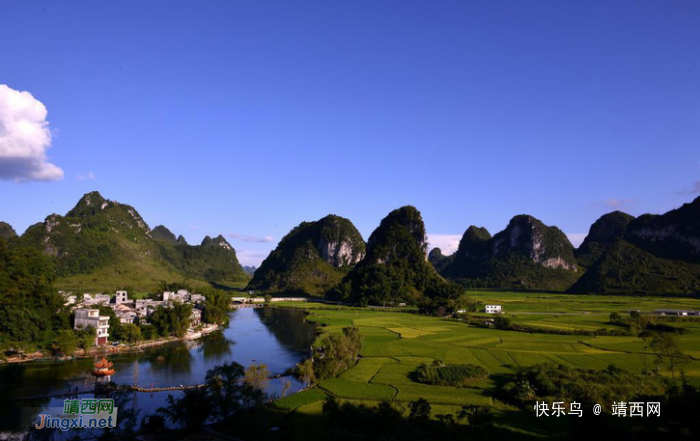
[397, 343]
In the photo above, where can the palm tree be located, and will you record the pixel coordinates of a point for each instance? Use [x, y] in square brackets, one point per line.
[525, 390]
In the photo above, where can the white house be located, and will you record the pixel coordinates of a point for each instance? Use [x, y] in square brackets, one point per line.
[195, 318]
[182, 296]
[99, 299]
[85, 317]
[125, 314]
[493, 309]
[197, 298]
[121, 297]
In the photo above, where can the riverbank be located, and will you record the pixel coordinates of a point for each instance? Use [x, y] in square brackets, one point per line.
[108, 350]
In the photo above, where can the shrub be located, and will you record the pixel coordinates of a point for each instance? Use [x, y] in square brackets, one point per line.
[450, 375]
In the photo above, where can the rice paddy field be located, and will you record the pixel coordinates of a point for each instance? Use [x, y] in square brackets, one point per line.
[396, 343]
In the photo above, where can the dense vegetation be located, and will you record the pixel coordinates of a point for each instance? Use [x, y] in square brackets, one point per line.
[312, 258]
[520, 257]
[33, 315]
[673, 235]
[450, 375]
[586, 386]
[99, 241]
[603, 235]
[333, 353]
[214, 260]
[652, 254]
[229, 388]
[7, 233]
[31, 311]
[626, 268]
[394, 269]
[523, 366]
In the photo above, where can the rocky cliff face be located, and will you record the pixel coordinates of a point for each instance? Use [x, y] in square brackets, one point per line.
[339, 243]
[547, 246]
[312, 258]
[527, 254]
[656, 254]
[674, 235]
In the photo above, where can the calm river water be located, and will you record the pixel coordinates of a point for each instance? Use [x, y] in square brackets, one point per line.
[279, 338]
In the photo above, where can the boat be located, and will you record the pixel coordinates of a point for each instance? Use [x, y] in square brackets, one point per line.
[103, 368]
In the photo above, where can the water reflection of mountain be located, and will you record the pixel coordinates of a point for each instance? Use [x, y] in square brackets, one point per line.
[173, 358]
[289, 327]
[216, 346]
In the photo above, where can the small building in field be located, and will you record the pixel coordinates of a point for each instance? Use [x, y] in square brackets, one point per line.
[678, 312]
[85, 317]
[493, 309]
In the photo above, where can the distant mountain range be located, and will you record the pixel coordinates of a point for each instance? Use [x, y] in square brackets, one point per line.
[652, 254]
[526, 255]
[102, 244]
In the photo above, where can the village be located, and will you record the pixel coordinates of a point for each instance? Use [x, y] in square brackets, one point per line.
[132, 311]
[137, 311]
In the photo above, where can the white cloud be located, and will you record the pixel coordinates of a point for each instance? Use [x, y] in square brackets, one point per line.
[576, 238]
[90, 176]
[247, 238]
[24, 138]
[448, 243]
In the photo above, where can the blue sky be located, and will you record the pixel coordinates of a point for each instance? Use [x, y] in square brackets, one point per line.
[245, 118]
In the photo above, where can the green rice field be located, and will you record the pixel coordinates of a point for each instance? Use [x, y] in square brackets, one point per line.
[396, 343]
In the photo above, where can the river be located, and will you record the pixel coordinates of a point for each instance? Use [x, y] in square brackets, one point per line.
[279, 338]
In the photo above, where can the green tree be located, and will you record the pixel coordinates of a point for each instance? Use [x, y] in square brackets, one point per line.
[216, 307]
[502, 323]
[305, 372]
[160, 319]
[337, 352]
[191, 410]
[115, 326]
[86, 338]
[180, 318]
[172, 320]
[478, 416]
[65, 342]
[30, 308]
[525, 390]
[131, 333]
[229, 390]
[665, 348]
[419, 410]
[256, 379]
